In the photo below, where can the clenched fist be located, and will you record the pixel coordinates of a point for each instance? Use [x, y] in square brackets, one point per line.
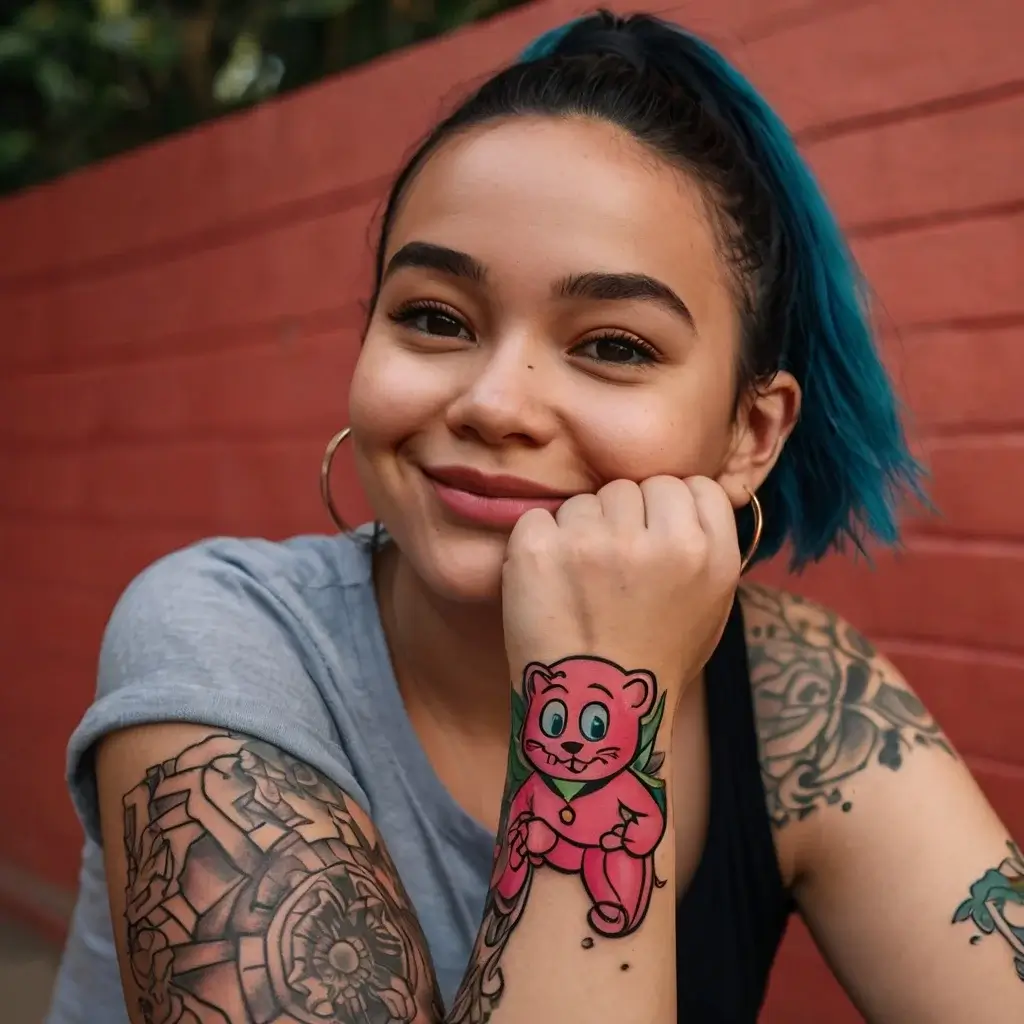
[642, 574]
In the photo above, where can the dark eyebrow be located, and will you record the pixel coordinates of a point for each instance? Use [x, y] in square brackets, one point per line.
[598, 686]
[609, 287]
[428, 256]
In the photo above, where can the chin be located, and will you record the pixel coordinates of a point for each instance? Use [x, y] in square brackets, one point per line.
[459, 565]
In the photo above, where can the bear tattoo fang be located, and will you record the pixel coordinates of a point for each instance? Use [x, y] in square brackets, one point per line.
[585, 795]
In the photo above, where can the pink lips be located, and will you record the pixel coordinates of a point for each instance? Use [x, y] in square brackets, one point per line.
[494, 501]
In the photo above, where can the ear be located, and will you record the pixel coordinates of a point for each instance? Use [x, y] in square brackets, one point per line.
[639, 689]
[765, 418]
[534, 671]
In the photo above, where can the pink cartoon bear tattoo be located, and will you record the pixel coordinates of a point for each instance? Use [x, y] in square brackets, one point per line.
[585, 798]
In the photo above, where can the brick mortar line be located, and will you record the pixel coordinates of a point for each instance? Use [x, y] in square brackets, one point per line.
[218, 235]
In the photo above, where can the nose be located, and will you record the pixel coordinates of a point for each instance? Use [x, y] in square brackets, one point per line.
[572, 747]
[504, 401]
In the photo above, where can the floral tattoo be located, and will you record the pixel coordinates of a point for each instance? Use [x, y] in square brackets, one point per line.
[827, 708]
[254, 896]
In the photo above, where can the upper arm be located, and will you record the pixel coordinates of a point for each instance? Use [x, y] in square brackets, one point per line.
[897, 850]
[246, 887]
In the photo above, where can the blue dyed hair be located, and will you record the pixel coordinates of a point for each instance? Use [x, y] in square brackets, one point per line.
[804, 306]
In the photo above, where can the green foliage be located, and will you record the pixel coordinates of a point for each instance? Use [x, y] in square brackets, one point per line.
[649, 726]
[518, 769]
[81, 80]
[648, 760]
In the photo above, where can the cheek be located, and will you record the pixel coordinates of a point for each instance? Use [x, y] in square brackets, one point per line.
[392, 394]
[679, 427]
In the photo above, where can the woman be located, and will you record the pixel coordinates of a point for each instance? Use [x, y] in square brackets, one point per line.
[612, 320]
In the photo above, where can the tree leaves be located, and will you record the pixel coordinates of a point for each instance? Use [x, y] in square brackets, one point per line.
[15, 146]
[15, 45]
[82, 81]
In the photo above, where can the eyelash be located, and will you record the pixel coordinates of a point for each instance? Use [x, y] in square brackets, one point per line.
[406, 314]
[648, 351]
[410, 310]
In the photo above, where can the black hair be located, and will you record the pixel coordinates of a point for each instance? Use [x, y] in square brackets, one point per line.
[802, 303]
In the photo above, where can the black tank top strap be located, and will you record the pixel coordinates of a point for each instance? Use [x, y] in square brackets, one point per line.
[732, 917]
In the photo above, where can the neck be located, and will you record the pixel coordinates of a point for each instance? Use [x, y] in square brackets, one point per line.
[449, 657]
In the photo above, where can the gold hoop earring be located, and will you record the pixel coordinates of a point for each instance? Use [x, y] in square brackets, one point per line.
[325, 478]
[755, 508]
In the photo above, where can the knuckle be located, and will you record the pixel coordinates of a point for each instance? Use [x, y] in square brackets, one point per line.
[709, 493]
[691, 548]
[532, 533]
[591, 545]
[620, 487]
[577, 503]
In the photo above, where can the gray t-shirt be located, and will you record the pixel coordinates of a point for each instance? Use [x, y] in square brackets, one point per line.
[283, 642]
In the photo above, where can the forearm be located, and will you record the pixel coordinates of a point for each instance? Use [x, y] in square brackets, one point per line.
[187, 812]
[580, 919]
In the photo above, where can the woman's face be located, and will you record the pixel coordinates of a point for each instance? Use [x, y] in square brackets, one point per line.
[554, 315]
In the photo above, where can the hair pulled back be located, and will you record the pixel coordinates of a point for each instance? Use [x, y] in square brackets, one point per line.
[802, 302]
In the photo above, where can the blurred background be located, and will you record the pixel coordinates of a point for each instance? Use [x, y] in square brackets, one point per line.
[189, 190]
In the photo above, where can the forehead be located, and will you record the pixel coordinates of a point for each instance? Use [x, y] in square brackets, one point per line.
[551, 196]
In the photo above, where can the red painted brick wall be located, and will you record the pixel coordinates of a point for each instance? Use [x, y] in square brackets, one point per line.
[178, 327]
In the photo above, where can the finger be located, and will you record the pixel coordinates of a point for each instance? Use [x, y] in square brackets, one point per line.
[533, 530]
[580, 509]
[622, 502]
[717, 520]
[669, 507]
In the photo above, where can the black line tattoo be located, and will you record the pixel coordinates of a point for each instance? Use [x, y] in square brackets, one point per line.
[254, 895]
[584, 797]
[826, 707]
[996, 905]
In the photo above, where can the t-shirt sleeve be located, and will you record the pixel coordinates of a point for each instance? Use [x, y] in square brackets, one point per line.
[201, 637]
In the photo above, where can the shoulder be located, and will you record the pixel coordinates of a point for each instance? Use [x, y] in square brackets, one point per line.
[225, 581]
[829, 708]
[239, 613]
[301, 562]
[231, 634]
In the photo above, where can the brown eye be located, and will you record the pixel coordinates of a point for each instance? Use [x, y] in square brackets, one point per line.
[611, 350]
[439, 323]
[617, 350]
[427, 320]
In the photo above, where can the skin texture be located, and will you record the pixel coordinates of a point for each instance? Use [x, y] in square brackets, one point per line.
[519, 389]
[868, 796]
[293, 905]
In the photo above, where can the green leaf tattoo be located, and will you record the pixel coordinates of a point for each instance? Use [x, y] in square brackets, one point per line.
[647, 761]
[998, 890]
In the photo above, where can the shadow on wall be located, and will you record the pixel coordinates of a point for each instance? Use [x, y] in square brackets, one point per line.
[27, 969]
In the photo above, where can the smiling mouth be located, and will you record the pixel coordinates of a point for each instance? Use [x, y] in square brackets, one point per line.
[498, 487]
[495, 503]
